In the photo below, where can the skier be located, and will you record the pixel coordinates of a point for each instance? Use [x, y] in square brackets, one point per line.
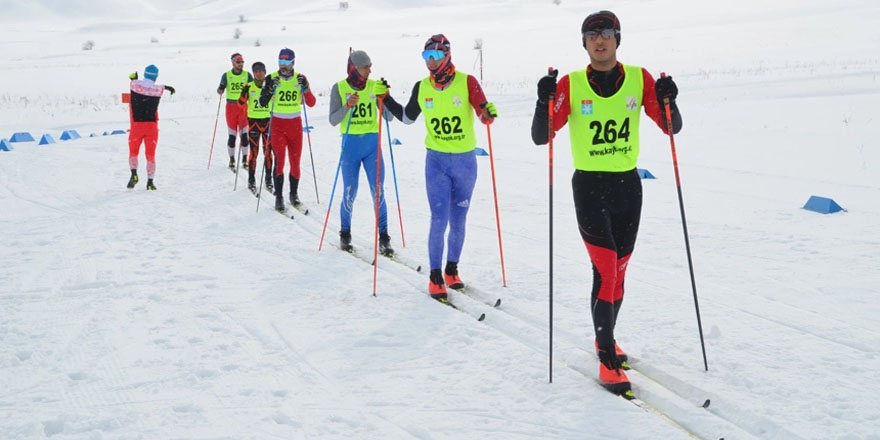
[236, 114]
[449, 99]
[144, 112]
[602, 107]
[289, 89]
[258, 125]
[355, 98]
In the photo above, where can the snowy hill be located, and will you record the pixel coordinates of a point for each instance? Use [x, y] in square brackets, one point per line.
[184, 313]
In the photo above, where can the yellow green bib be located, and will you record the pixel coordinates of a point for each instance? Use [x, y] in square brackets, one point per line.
[288, 100]
[255, 110]
[605, 131]
[234, 84]
[449, 116]
[364, 116]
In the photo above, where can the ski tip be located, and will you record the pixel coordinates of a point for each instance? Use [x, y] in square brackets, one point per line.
[482, 317]
[706, 403]
[419, 269]
[497, 302]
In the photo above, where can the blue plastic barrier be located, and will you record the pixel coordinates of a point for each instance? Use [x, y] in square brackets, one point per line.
[822, 205]
[47, 139]
[396, 141]
[21, 136]
[645, 174]
[480, 152]
[118, 132]
[4, 145]
[93, 135]
[69, 135]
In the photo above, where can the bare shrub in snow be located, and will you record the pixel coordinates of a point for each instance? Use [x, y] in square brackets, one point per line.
[89, 45]
[257, 43]
[241, 18]
[343, 6]
[154, 40]
[237, 33]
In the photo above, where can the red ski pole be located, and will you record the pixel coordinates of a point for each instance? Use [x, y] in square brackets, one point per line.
[378, 194]
[497, 215]
[687, 243]
[213, 138]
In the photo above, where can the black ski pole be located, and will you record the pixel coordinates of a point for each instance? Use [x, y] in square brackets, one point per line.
[687, 243]
[552, 100]
[268, 141]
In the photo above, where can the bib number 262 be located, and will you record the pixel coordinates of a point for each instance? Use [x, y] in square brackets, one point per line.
[446, 125]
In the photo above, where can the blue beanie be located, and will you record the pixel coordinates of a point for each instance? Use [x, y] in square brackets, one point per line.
[286, 54]
[151, 72]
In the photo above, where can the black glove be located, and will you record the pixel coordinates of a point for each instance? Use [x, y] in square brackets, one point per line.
[302, 82]
[665, 88]
[170, 89]
[276, 81]
[547, 86]
[220, 90]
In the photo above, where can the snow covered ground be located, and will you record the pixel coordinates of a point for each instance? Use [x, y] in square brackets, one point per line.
[182, 313]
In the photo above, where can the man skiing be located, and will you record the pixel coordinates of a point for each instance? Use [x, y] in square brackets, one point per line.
[236, 114]
[290, 90]
[144, 112]
[353, 107]
[258, 126]
[601, 105]
[449, 99]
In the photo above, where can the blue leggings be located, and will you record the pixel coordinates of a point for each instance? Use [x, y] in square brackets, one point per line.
[361, 148]
[449, 180]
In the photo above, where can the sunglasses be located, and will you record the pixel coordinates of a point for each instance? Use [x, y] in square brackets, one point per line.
[437, 55]
[605, 33]
[285, 62]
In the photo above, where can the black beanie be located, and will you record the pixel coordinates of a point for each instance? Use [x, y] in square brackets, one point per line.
[601, 20]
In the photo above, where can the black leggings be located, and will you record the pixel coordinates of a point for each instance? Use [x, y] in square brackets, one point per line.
[259, 129]
[608, 207]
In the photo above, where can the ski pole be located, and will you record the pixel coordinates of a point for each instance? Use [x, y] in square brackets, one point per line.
[687, 244]
[213, 138]
[497, 215]
[309, 137]
[378, 195]
[336, 178]
[550, 135]
[237, 167]
[268, 141]
[394, 173]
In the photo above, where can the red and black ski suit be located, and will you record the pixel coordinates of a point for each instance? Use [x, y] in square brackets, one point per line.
[608, 204]
[286, 136]
[144, 112]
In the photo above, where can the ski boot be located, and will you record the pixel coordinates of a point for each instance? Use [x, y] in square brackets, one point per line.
[252, 183]
[385, 245]
[451, 277]
[436, 286]
[345, 241]
[133, 180]
[150, 185]
[269, 185]
[611, 373]
[279, 204]
[621, 355]
[294, 198]
[232, 164]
